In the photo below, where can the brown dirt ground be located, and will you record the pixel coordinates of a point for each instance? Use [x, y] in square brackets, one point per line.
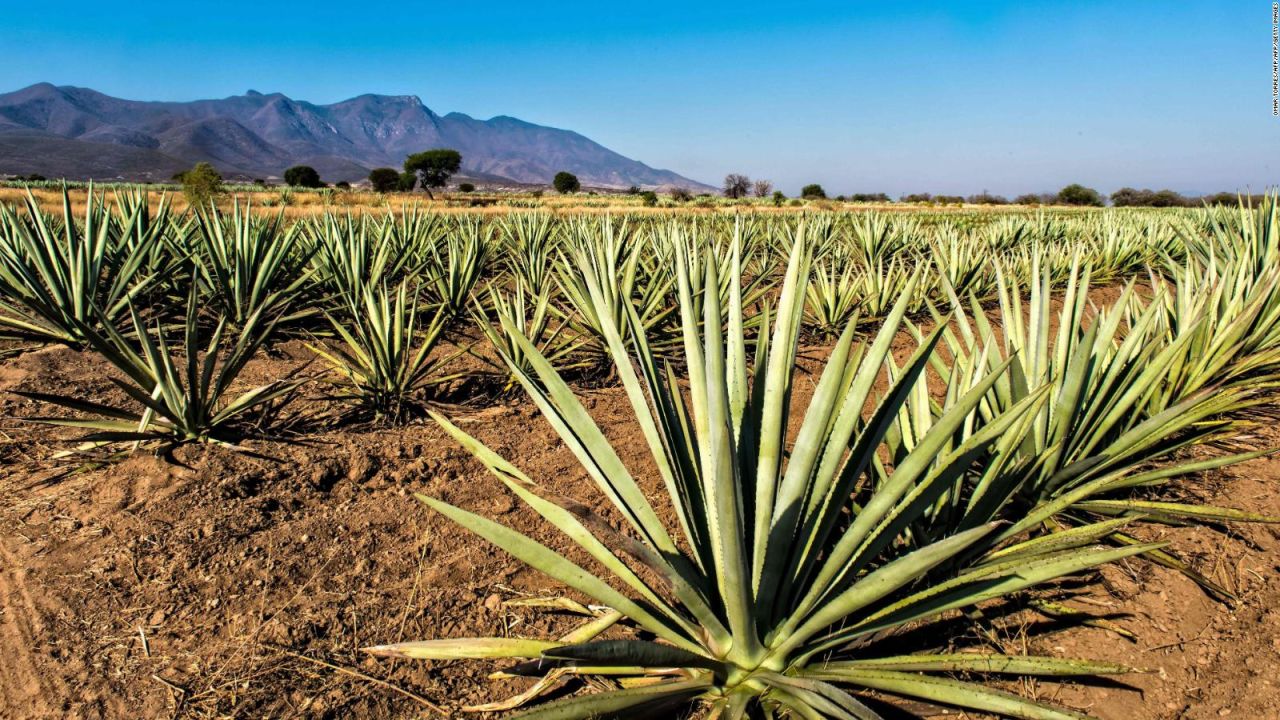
[221, 585]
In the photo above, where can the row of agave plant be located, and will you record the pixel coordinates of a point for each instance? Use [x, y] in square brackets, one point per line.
[1019, 444]
[387, 294]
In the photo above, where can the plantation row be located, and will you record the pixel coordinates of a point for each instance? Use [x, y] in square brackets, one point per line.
[1017, 445]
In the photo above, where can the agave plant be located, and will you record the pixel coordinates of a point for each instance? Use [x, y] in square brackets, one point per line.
[1091, 447]
[603, 273]
[788, 572]
[529, 240]
[350, 253]
[180, 392]
[386, 355]
[251, 266]
[831, 299]
[59, 276]
[525, 314]
[455, 272]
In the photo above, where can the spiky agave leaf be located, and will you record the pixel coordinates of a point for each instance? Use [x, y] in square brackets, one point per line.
[782, 564]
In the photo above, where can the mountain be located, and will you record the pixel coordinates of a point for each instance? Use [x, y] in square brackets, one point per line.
[64, 131]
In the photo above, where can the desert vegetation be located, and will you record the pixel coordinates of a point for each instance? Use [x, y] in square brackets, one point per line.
[844, 450]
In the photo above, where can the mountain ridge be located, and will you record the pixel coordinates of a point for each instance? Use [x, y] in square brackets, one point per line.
[61, 131]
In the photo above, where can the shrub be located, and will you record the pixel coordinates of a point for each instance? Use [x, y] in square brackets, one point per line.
[1027, 199]
[812, 191]
[917, 198]
[680, 194]
[566, 182]
[384, 179]
[466, 187]
[778, 197]
[948, 199]
[1077, 194]
[303, 176]
[649, 197]
[342, 185]
[200, 184]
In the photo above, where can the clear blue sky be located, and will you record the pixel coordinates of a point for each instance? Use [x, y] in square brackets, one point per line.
[862, 97]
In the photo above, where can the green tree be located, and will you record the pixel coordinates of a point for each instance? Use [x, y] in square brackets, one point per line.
[566, 182]
[649, 197]
[466, 187]
[433, 167]
[1077, 194]
[384, 179]
[303, 176]
[813, 191]
[778, 197]
[200, 184]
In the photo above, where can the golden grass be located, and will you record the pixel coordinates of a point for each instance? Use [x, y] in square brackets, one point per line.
[305, 204]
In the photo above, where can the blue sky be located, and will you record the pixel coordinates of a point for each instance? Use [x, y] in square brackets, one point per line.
[938, 97]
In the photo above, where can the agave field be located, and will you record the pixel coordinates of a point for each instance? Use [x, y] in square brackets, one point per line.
[845, 465]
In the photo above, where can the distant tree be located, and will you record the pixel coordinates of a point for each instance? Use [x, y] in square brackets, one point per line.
[466, 187]
[1077, 194]
[1224, 198]
[566, 182]
[259, 182]
[814, 191]
[302, 176]
[1168, 198]
[1027, 199]
[384, 179]
[986, 198]
[680, 194]
[917, 198]
[407, 182]
[1128, 197]
[433, 168]
[649, 198]
[342, 185]
[778, 197]
[633, 190]
[870, 197]
[841, 198]
[948, 199]
[736, 186]
[200, 184]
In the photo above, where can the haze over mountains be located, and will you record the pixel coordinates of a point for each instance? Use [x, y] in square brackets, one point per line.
[64, 131]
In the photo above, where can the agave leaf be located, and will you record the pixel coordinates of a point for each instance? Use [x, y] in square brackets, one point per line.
[945, 691]
[632, 653]
[618, 703]
[463, 648]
